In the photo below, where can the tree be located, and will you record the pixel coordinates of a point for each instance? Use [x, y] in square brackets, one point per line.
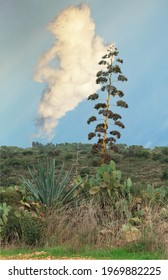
[106, 137]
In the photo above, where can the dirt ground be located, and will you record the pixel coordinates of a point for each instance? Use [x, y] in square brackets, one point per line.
[39, 256]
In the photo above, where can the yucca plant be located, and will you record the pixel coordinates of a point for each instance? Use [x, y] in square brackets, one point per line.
[48, 188]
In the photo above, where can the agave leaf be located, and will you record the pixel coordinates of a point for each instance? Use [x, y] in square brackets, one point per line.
[29, 186]
[94, 190]
[62, 185]
[50, 181]
[71, 191]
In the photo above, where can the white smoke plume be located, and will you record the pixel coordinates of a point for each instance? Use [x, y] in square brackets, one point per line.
[78, 50]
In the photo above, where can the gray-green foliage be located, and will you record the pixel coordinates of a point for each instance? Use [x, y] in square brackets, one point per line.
[47, 187]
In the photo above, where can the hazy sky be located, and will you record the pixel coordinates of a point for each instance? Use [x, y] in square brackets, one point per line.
[139, 30]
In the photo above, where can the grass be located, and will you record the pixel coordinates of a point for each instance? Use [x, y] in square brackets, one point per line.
[85, 253]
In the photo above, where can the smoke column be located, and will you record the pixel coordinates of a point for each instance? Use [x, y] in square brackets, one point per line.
[78, 50]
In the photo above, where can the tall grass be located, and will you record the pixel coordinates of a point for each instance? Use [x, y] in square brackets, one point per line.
[88, 224]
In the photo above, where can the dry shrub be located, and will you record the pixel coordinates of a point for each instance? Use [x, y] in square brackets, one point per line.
[74, 226]
[89, 224]
[155, 230]
[82, 225]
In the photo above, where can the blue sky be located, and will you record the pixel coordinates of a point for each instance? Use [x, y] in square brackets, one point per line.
[139, 29]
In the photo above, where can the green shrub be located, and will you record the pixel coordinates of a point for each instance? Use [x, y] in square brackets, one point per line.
[68, 156]
[157, 156]
[164, 160]
[95, 162]
[33, 230]
[117, 158]
[164, 150]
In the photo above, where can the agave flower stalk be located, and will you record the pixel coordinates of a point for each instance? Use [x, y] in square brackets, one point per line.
[109, 69]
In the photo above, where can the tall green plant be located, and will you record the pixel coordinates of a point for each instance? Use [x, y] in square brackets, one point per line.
[48, 188]
[109, 93]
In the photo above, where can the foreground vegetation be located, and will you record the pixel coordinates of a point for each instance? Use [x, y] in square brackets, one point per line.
[53, 208]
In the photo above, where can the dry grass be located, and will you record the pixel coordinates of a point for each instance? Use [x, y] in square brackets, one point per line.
[89, 224]
[85, 224]
[155, 230]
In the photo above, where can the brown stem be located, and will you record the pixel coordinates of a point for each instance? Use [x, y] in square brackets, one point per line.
[106, 119]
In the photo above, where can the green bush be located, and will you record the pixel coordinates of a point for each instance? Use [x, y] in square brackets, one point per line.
[33, 230]
[157, 156]
[68, 156]
[164, 150]
[164, 160]
[95, 162]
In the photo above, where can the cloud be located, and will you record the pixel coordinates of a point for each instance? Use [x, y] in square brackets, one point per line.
[78, 50]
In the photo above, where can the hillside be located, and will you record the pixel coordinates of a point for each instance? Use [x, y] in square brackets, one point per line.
[141, 164]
